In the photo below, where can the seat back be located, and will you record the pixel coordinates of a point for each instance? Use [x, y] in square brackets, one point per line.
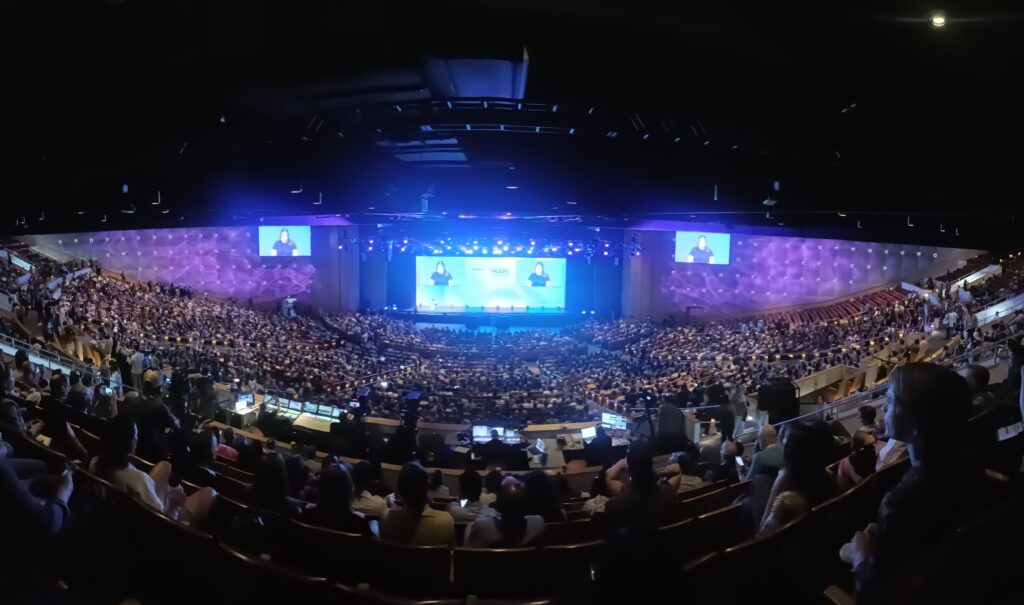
[336, 555]
[255, 580]
[425, 570]
[161, 544]
[349, 595]
[232, 488]
[560, 565]
[487, 571]
[717, 530]
[569, 532]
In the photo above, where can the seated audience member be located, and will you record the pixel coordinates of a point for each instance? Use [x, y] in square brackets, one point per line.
[807, 449]
[977, 377]
[891, 451]
[154, 419]
[492, 483]
[541, 497]
[153, 489]
[860, 464]
[768, 458]
[55, 421]
[682, 473]
[249, 455]
[638, 496]
[728, 470]
[469, 506]
[787, 507]
[366, 502]
[512, 527]
[867, 414]
[226, 446]
[598, 494]
[298, 475]
[270, 488]
[437, 487]
[334, 506]
[928, 410]
[26, 519]
[415, 523]
[196, 465]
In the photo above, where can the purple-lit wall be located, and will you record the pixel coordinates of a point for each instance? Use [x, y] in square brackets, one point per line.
[222, 261]
[769, 272]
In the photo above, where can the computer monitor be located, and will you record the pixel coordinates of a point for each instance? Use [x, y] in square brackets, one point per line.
[511, 436]
[324, 410]
[335, 412]
[589, 433]
[481, 433]
[246, 398]
[241, 405]
[309, 408]
[613, 421]
[294, 405]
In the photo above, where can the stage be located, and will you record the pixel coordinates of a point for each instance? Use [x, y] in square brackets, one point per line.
[493, 316]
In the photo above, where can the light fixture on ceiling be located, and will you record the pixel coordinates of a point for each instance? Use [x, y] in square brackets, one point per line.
[909, 224]
[157, 202]
[841, 214]
[938, 20]
[319, 198]
[299, 190]
[769, 201]
[510, 187]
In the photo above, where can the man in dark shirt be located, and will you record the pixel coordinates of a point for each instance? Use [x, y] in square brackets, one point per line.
[928, 409]
[641, 500]
[701, 253]
[153, 418]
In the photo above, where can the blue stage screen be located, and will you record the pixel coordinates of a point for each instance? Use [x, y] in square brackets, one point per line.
[285, 241]
[452, 283]
[713, 250]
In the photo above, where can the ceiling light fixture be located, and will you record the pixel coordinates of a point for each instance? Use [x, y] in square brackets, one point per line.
[768, 201]
[938, 20]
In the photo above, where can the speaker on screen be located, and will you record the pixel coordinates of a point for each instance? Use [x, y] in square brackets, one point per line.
[779, 400]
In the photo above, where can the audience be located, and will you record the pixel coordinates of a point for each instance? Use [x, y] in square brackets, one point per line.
[768, 458]
[415, 523]
[928, 408]
[154, 490]
[334, 505]
[541, 497]
[807, 448]
[513, 526]
[637, 496]
[469, 507]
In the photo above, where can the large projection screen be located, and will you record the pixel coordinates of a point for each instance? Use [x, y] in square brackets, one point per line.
[458, 283]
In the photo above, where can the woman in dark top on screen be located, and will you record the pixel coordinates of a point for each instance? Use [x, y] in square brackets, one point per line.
[284, 246]
[441, 276]
[701, 253]
[539, 278]
[334, 507]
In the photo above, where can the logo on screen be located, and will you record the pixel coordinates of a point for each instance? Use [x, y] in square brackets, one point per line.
[499, 271]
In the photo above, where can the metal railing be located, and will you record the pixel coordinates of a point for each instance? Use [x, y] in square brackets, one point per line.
[836, 409]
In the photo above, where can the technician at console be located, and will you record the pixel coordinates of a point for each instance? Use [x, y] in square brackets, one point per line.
[539, 278]
[701, 253]
[441, 276]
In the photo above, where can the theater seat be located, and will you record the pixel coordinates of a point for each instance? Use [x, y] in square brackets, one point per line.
[425, 570]
[558, 566]
[255, 581]
[348, 595]
[493, 572]
[336, 555]
[569, 532]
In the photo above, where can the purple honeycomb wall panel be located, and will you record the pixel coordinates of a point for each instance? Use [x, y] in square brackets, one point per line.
[222, 261]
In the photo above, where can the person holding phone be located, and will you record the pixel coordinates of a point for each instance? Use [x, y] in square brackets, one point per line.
[441, 276]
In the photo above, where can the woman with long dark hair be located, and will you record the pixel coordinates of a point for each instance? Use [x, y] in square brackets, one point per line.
[415, 523]
[441, 276]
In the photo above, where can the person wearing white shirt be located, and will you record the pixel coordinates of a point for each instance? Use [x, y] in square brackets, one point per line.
[137, 361]
[950, 322]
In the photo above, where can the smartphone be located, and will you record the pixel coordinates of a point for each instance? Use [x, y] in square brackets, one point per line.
[739, 461]
[463, 502]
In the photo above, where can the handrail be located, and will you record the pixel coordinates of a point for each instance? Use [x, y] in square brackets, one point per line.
[882, 385]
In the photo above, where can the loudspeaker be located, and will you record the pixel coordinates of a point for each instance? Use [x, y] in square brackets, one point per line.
[779, 400]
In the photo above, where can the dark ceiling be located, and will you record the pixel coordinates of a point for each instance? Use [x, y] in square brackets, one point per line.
[596, 112]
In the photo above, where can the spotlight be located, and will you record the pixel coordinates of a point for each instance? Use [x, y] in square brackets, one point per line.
[938, 20]
[768, 201]
[511, 186]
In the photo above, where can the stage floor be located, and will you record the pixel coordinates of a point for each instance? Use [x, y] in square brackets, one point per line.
[477, 316]
[488, 310]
